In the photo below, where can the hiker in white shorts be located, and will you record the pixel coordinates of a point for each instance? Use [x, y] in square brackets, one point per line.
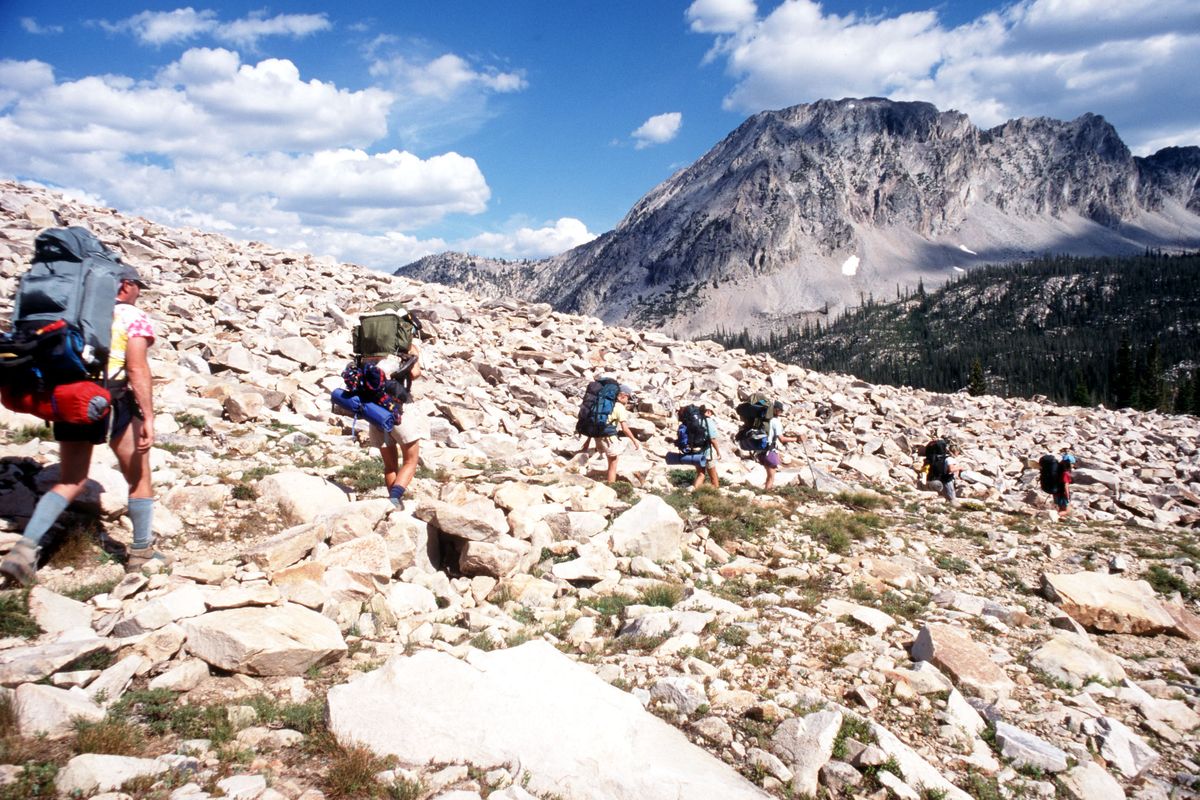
[400, 464]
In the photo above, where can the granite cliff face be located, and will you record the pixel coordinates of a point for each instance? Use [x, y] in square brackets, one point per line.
[824, 203]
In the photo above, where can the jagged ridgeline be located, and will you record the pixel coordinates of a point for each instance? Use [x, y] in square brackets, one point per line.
[1117, 331]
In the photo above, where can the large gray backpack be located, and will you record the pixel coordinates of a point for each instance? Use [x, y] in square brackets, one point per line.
[73, 278]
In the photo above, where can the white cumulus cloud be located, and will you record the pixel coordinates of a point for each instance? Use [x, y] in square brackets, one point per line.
[444, 76]
[1133, 62]
[526, 242]
[254, 150]
[166, 27]
[658, 129]
[720, 16]
[31, 25]
[158, 28]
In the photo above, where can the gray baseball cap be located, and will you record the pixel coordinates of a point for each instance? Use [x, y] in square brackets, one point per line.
[625, 388]
[130, 274]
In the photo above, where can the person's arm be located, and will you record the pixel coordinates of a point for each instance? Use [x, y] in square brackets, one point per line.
[415, 370]
[629, 435]
[137, 369]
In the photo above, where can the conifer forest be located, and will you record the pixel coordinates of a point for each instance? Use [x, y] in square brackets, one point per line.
[1117, 331]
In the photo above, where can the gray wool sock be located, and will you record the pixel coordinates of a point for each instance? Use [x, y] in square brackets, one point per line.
[47, 512]
[141, 514]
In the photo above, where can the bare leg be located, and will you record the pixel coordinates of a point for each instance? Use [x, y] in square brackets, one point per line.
[410, 454]
[391, 463]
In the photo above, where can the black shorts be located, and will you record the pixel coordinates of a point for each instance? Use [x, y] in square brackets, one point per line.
[124, 409]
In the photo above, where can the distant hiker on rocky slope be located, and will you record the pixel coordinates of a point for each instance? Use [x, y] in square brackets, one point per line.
[941, 468]
[602, 416]
[129, 430]
[1055, 475]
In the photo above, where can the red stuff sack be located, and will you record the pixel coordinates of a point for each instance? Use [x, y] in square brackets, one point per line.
[79, 403]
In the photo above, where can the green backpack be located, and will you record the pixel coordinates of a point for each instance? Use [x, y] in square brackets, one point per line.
[388, 329]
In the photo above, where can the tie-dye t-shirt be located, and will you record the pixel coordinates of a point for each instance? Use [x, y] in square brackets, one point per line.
[128, 322]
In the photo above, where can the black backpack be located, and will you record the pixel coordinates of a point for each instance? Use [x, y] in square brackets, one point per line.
[597, 406]
[936, 453]
[1050, 473]
[693, 430]
[755, 414]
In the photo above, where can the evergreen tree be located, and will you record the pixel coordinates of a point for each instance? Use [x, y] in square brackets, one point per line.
[1124, 389]
[976, 385]
[1080, 396]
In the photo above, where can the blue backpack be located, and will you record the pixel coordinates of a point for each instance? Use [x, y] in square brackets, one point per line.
[597, 406]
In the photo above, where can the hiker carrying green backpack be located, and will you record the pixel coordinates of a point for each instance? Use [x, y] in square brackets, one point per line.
[386, 362]
[762, 432]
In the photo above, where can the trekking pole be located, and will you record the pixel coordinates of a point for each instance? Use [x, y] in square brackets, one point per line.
[811, 468]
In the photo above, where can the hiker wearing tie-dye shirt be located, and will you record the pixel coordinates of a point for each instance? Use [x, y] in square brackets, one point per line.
[129, 431]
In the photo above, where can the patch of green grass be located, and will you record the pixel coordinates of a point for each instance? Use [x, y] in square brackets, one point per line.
[404, 789]
[89, 590]
[681, 478]
[625, 491]
[734, 635]
[101, 659]
[174, 448]
[871, 771]
[609, 605]
[982, 787]
[837, 529]
[852, 728]
[189, 420]
[952, 564]
[161, 712]
[862, 501]
[257, 473]
[36, 779]
[891, 602]
[1166, 582]
[112, 736]
[243, 491]
[351, 773]
[364, 475]
[663, 594]
[732, 517]
[484, 641]
[27, 433]
[15, 619]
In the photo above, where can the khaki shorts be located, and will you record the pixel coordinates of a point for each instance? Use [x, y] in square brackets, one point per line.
[414, 426]
[612, 445]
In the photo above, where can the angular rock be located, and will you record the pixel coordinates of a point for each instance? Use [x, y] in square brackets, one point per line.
[533, 705]
[265, 641]
[651, 528]
[1076, 660]
[806, 744]
[94, 772]
[967, 662]
[299, 497]
[1123, 749]
[50, 711]
[1090, 781]
[1026, 750]
[1107, 603]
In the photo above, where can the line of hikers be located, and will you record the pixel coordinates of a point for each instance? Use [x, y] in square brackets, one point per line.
[77, 357]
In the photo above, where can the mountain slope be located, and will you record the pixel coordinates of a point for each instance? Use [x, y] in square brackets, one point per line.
[1053, 327]
[821, 203]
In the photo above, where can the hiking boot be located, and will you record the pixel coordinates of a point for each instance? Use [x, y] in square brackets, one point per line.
[142, 557]
[398, 502]
[20, 565]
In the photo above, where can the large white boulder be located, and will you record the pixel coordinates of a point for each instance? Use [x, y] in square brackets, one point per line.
[286, 640]
[574, 734]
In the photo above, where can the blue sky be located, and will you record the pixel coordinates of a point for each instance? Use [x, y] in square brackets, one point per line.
[378, 132]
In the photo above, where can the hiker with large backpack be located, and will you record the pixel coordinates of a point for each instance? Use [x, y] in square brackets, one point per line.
[79, 291]
[940, 468]
[378, 388]
[697, 443]
[603, 416]
[761, 433]
[1055, 477]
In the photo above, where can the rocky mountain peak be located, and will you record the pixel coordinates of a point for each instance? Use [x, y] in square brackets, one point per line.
[818, 205]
